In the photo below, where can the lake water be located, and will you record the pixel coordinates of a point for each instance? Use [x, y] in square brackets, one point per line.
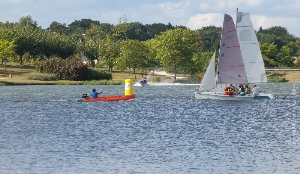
[45, 129]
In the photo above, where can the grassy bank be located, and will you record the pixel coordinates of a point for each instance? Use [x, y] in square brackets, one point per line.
[15, 74]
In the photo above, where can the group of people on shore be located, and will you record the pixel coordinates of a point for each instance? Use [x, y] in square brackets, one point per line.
[243, 90]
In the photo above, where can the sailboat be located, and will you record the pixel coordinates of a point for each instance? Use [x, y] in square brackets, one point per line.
[233, 68]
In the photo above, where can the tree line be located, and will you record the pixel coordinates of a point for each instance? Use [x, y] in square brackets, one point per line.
[134, 45]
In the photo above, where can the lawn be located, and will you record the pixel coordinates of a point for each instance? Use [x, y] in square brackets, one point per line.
[16, 74]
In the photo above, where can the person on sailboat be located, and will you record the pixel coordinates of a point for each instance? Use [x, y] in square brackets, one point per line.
[232, 89]
[255, 90]
[95, 93]
[247, 89]
[241, 90]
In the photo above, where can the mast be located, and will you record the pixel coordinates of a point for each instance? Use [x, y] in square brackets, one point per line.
[237, 11]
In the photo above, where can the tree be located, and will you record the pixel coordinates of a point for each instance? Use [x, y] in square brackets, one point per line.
[49, 43]
[176, 48]
[157, 28]
[133, 55]
[7, 49]
[27, 20]
[137, 31]
[90, 49]
[152, 58]
[67, 46]
[269, 52]
[210, 38]
[24, 37]
[81, 26]
[284, 57]
[57, 27]
[110, 51]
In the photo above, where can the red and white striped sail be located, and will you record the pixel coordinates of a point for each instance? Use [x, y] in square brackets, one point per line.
[231, 68]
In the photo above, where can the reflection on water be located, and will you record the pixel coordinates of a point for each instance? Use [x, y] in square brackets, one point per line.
[43, 129]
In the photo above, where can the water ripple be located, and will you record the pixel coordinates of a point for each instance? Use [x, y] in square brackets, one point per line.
[165, 130]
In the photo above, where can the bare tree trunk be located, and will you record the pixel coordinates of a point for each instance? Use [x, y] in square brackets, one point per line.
[21, 59]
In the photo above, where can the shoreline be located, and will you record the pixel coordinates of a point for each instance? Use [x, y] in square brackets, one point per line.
[18, 80]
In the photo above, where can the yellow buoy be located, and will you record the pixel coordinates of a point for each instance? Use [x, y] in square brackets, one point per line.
[128, 87]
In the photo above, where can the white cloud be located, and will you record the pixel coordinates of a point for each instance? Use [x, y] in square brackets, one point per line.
[291, 24]
[175, 9]
[254, 2]
[204, 6]
[202, 20]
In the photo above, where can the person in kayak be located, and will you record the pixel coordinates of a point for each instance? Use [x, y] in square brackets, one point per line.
[95, 93]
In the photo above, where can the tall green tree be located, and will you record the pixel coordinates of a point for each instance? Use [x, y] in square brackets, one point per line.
[133, 55]
[81, 26]
[137, 31]
[176, 48]
[57, 27]
[110, 51]
[24, 37]
[7, 49]
[269, 52]
[210, 38]
[90, 49]
[27, 20]
[284, 57]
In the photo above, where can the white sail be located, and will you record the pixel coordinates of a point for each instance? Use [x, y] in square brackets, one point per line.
[231, 68]
[250, 49]
[208, 81]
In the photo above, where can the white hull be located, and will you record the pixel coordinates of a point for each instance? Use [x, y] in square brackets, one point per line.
[220, 96]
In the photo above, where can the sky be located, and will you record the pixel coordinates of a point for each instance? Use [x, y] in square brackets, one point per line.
[193, 14]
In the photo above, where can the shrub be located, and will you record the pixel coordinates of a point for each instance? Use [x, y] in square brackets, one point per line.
[2, 84]
[42, 77]
[94, 74]
[68, 69]
[276, 79]
[154, 79]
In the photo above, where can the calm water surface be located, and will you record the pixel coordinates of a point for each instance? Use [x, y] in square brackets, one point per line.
[44, 129]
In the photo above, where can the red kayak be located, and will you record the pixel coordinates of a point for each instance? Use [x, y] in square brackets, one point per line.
[108, 98]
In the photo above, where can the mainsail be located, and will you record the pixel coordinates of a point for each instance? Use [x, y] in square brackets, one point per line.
[250, 49]
[231, 68]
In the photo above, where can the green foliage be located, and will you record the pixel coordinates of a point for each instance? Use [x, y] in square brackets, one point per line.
[42, 77]
[284, 56]
[210, 38]
[90, 49]
[57, 27]
[27, 20]
[157, 29]
[201, 62]
[68, 69]
[94, 74]
[25, 38]
[93, 82]
[137, 31]
[176, 48]
[133, 55]
[81, 26]
[7, 50]
[110, 51]
[2, 84]
[276, 79]
[154, 79]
